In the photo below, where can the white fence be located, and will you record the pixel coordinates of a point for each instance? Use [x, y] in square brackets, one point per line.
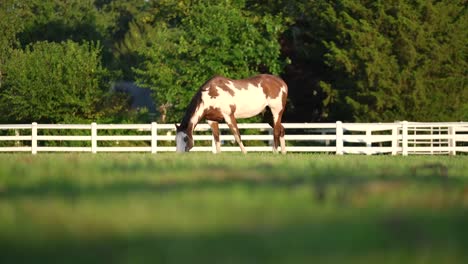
[341, 138]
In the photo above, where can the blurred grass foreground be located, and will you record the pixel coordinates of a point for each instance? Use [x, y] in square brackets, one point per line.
[233, 208]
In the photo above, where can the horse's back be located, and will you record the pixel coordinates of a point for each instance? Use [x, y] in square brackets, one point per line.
[270, 84]
[247, 96]
[273, 86]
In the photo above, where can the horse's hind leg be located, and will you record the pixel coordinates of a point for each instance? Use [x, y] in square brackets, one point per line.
[215, 130]
[275, 139]
[278, 133]
[232, 123]
[282, 141]
[278, 138]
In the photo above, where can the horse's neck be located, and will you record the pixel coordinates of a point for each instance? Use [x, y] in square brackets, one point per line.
[192, 116]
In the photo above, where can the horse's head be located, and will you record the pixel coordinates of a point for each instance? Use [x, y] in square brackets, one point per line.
[184, 141]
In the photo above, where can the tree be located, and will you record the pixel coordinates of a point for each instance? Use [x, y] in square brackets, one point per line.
[209, 39]
[53, 82]
[394, 60]
[10, 24]
[350, 60]
[116, 18]
[58, 20]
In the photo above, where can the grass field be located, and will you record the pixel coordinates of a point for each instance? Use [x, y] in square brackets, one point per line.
[233, 208]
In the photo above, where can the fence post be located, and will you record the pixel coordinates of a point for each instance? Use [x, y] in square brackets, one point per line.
[404, 140]
[339, 138]
[368, 141]
[154, 137]
[452, 141]
[93, 137]
[270, 133]
[395, 140]
[17, 134]
[34, 138]
[432, 139]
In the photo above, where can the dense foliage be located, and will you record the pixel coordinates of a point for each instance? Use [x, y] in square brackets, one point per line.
[209, 40]
[395, 59]
[343, 60]
[52, 82]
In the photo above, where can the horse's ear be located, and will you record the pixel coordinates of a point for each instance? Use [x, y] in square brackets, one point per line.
[177, 126]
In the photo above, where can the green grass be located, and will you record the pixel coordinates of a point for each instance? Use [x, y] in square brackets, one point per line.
[232, 208]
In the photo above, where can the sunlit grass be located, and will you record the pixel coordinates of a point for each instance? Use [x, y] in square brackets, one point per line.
[232, 208]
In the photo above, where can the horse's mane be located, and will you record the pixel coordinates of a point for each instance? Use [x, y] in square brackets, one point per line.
[196, 100]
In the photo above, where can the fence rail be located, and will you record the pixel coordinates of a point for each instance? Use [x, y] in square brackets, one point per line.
[341, 138]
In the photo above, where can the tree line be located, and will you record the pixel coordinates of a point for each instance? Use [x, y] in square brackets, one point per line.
[349, 60]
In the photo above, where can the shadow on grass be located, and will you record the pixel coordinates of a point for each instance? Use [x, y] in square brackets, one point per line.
[360, 239]
[222, 178]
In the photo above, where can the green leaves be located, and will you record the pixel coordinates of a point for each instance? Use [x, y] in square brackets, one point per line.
[349, 60]
[53, 82]
[212, 39]
[393, 61]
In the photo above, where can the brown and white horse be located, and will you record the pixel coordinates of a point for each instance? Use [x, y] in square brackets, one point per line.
[221, 99]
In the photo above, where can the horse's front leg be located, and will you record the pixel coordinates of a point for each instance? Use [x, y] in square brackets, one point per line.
[232, 123]
[215, 130]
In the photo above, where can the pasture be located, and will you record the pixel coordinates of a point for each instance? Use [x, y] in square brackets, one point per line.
[233, 208]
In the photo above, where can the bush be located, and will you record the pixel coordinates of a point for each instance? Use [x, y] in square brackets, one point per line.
[52, 83]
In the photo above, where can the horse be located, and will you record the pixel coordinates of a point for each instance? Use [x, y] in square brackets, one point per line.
[221, 98]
